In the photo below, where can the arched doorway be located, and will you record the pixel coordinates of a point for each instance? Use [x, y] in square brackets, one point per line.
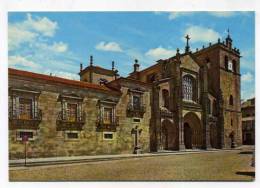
[187, 136]
[192, 131]
[169, 135]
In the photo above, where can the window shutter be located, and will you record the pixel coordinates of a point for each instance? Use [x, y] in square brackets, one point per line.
[10, 106]
[79, 112]
[33, 108]
[36, 106]
[64, 110]
[16, 106]
[102, 114]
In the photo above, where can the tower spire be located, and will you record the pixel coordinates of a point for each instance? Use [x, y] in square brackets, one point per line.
[113, 65]
[228, 40]
[91, 60]
[187, 48]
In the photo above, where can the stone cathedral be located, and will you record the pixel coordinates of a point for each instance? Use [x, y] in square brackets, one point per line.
[189, 101]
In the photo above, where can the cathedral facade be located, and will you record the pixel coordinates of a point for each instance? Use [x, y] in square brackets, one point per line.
[189, 101]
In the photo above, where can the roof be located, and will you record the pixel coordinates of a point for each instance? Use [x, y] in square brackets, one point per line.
[248, 103]
[98, 70]
[54, 79]
[131, 80]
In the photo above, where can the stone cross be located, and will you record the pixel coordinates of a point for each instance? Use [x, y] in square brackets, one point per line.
[187, 48]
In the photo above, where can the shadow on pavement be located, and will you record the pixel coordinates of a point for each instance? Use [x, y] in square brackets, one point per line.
[246, 152]
[246, 173]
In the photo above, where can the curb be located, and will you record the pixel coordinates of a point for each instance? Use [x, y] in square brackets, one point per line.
[86, 160]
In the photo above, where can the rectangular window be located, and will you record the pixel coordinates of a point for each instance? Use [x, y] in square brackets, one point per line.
[136, 120]
[108, 136]
[72, 112]
[72, 135]
[107, 115]
[25, 108]
[29, 134]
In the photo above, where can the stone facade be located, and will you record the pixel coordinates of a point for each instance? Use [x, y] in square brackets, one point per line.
[191, 100]
[248, 121]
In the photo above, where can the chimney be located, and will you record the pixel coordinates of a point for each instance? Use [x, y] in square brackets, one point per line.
[136, 66]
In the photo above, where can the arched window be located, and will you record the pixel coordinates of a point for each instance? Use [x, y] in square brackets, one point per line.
[234, 65]
[226, 62]
[165, 95]
[188, 88]
[231, 100]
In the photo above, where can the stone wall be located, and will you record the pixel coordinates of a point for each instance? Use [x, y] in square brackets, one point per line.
[48, 142]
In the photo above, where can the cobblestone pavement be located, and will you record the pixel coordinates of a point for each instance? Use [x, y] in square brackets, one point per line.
[222, 165]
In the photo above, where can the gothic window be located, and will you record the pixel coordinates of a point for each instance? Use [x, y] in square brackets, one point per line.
[226, 62]
[231, 100]
[188, 87]
[165, 95]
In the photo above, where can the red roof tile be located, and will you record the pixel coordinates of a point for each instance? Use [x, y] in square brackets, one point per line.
[55, 79]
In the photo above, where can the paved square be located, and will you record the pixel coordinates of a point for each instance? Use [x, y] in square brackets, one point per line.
[222, 165]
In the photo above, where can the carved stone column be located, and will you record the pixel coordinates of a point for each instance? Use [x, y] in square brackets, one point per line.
[176, 91]
[205, 112]
[155, 122]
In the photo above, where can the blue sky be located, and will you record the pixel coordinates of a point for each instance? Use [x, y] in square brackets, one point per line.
[58, 42]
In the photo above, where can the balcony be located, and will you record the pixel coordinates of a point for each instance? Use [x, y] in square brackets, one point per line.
[64, 123]
[135, 111]
[29, 121]
[102, 126]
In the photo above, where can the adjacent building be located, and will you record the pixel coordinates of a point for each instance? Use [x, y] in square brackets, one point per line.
[189, 101]
[248, 121]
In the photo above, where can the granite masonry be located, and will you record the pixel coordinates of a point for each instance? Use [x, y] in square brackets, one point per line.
[188, 101]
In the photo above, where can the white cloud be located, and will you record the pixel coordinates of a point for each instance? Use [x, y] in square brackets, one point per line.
[109, 46]
[174, 15]
[62, 74]
[42, 25]
[22, 61]
[160, 53]
[201, 34]
[224, 14]
[56, 47]
[248, 77]
[32, 48]
[18, 36]
[219, 14]
[29, 30]
[60, 47]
